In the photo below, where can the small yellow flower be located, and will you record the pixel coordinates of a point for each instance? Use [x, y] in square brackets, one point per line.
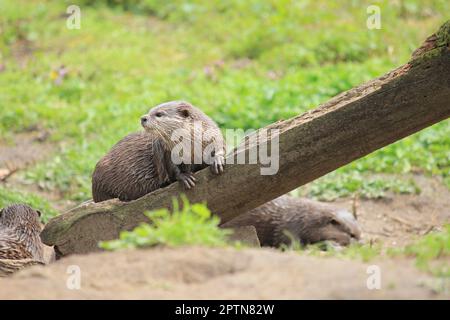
[53, 75]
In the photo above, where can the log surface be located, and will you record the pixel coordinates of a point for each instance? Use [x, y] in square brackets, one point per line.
[348, 127]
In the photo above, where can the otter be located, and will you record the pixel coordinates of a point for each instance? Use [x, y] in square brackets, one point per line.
[19, 233]
[305, 220]
[144, 161]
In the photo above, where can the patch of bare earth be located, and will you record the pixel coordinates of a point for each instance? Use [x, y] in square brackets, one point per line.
[216, 273]
[22, 151]
[397, 220]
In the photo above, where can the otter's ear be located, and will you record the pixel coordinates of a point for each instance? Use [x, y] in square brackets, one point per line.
[184, 112]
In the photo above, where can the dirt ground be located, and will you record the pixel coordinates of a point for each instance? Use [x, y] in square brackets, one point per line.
[214, 273]
[24, 150]
[207, 273]
[397, 220]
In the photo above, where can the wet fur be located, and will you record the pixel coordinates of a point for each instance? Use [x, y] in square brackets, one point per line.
[306, 220]
[140, 163]
[129, 170]
[19, 233]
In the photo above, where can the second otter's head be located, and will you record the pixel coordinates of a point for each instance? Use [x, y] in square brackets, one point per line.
[322, 222]
[339, 226]
[21, 216]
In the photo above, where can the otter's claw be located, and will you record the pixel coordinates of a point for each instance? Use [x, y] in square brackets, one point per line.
[217, 166]
[187, 179]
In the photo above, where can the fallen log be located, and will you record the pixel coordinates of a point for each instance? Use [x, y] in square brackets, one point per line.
[349, 126]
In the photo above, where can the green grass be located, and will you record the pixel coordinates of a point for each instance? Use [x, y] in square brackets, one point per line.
[9, 197]
[246, 64]
[193, 224]
[360, 251]
[344, 183]
[431, 252]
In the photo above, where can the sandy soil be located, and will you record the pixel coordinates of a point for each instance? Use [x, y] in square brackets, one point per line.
[214, 273]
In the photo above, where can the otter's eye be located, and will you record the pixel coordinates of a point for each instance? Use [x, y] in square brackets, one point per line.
[158, 115]
[38, 212]
[334, 222]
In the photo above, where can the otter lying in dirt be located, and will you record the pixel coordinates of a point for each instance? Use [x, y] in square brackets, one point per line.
[304, 220]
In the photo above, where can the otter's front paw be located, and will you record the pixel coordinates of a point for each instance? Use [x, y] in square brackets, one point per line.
[187, 179]
[218, 165]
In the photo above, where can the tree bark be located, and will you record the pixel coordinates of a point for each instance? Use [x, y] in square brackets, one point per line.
[349, 126]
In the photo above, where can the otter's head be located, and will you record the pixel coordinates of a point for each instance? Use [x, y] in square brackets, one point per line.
[326, 223]
[341, 227]
[167, 117]
[20, 216]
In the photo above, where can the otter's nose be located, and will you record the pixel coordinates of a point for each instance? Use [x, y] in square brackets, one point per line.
[144, 120]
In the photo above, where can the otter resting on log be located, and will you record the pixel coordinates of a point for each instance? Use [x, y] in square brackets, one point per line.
[20, 243]
[306, 221]
[143, 162]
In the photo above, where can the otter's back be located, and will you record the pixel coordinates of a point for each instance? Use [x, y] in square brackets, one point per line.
[11, 247]
[128, 171]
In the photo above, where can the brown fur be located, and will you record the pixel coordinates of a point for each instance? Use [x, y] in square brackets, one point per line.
[128, 171]
[9, 266]
[306, 220]
[141, 162]
[19, 233]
